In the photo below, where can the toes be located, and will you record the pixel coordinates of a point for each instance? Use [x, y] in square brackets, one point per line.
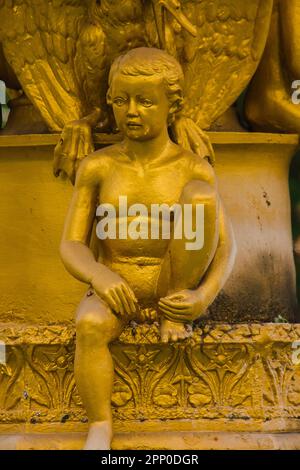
[165, 337]
[174, 337]
[164, 334]
[188, 331]
[182, 335]
[175, 334]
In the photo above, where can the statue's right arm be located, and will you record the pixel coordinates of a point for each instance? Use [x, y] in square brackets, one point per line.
[76, 255]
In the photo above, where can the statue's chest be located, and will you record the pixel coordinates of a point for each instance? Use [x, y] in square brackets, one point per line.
[144, 186]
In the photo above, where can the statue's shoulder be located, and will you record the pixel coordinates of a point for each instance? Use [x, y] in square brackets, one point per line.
[200, 167]
[96, 165]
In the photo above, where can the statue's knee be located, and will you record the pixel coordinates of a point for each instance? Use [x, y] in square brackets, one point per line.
[198, 192]
[93, 328]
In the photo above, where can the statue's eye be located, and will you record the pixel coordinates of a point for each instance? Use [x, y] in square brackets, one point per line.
[119, 101]
[145, 102]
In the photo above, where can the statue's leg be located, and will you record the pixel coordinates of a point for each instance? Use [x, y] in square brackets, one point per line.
[96, 327]
[183, 268]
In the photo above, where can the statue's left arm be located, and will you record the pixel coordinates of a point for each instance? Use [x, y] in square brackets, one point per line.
[222, 263]
[188, 305]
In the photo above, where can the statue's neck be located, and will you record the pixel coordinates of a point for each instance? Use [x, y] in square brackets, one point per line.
[150, 150]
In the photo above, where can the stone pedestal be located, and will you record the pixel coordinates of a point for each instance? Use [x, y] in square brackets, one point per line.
[253, 174]
[229, 386]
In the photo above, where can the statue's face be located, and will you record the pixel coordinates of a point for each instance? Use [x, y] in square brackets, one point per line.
[140, 106]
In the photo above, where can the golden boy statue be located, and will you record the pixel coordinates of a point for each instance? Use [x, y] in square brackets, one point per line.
[146, 93]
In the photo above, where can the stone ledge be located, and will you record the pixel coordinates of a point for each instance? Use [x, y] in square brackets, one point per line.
[158, 441]
[18, 334]
[235, 138]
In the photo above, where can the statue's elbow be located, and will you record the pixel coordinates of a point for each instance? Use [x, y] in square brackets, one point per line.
[64, 251]
[231, 248]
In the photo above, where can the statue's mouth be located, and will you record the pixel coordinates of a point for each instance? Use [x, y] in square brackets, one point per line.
[133, 125]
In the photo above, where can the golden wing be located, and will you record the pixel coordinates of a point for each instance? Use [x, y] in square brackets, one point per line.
[39, 41]
[220, 61]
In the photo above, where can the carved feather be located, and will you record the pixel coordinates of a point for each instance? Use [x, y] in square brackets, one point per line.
[219, 65]
[61, 50]
[39, 43]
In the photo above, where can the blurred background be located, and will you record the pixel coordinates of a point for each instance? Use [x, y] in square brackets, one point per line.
[295, 197]
[4, 111]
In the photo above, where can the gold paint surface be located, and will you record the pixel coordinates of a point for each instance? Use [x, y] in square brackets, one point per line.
[232, 376]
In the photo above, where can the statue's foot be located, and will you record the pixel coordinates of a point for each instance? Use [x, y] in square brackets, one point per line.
[171, 331]
[99, 436]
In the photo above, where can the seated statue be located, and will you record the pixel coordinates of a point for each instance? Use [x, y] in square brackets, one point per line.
[127, 274]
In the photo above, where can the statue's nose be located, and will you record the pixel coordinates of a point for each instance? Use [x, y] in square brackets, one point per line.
[132, 109]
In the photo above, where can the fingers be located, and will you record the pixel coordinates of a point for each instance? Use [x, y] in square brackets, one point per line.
[125, 302]
[57, 158]
[111, 302]
[63, 164]
[64, 155]
[183, 140]
[181, 135]
[197, 144]
[85, 146]
[119, 307]
[86, 139]
[130, 299]
[165, 337]
[129, 292]
[174, 305]
[209, 151]
[74, 140]
[177, 296]
[189, 135]
[75, 144]
[66, 138]
[173, 316]
[122, 300]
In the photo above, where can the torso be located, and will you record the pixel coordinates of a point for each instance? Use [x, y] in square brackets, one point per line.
[139, 261]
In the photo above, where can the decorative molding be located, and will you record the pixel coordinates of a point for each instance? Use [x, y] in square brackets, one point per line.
[233, 372]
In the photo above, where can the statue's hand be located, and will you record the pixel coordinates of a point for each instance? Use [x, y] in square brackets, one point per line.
[115, 292]
[74, 145]
[189, 135]
[183, 306]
